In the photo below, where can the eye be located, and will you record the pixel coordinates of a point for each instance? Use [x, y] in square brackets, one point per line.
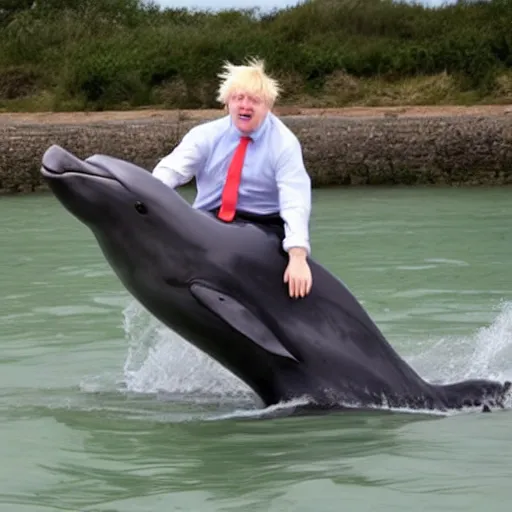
[141, 208]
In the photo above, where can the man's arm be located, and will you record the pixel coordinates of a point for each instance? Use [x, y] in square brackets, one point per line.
[294, 186]
[183, 163]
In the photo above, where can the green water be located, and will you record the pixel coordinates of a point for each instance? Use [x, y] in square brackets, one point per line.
[103, 409]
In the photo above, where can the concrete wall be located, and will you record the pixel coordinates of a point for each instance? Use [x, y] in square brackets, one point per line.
[469, 150]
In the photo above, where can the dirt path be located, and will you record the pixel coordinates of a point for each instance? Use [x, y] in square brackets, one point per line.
[172, 115]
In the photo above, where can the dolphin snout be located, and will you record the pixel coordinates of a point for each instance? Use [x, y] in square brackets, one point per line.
[57, 162]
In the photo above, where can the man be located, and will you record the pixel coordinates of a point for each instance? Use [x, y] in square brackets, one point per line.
[274, 182]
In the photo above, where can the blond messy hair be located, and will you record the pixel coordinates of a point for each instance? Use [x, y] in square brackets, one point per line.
[250, 78]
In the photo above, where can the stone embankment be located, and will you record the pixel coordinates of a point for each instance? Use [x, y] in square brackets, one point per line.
[358, 146]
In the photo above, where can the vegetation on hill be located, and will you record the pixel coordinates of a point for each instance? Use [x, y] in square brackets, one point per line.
[119, 54]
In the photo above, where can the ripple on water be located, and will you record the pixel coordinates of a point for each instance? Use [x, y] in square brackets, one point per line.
[98, 270]
[457, 263]
[71, 310]
[417, 293]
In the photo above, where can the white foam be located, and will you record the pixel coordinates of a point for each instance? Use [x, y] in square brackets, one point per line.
[486, 354]
[159, 360]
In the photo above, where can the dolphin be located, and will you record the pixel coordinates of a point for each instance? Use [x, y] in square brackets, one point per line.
[219, 286]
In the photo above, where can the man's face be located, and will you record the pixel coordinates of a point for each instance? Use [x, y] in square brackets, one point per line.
[247, 111]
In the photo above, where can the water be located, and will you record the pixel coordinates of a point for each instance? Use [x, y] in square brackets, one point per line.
[103, 409]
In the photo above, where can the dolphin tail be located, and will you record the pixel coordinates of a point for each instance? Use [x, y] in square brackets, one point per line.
[475, 393]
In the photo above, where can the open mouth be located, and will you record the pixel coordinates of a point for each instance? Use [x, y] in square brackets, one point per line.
[245, 117]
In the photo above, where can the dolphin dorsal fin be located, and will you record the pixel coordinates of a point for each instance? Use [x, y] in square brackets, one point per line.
[240, 318]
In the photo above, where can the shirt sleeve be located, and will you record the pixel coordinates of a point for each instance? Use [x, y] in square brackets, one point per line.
[294, 185]
[183, 163]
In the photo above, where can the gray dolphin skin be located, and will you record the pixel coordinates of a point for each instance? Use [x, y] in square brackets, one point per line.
[220, 286]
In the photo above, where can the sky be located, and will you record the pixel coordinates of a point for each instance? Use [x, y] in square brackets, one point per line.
[264, 5]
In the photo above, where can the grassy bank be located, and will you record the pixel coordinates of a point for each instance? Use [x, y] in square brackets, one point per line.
[123, 54]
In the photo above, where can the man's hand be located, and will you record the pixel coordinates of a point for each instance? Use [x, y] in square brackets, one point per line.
[298, 274]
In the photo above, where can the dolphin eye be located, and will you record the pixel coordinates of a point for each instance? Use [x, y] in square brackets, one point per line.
[141, 208]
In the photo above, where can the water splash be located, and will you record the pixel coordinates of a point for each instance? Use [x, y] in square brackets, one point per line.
[486, 354]
[492, 355]
[160, 361]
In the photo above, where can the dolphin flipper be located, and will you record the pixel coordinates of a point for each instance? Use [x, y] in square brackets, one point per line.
[240, 318]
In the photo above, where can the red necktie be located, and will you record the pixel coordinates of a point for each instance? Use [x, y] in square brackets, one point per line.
[230, 191]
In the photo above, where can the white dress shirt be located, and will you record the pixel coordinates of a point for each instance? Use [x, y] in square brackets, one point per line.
[274, 179]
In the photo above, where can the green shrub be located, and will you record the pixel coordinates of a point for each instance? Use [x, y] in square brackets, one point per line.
[126, 53]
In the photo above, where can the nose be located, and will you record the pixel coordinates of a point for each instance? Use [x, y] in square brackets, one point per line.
[246, 103]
